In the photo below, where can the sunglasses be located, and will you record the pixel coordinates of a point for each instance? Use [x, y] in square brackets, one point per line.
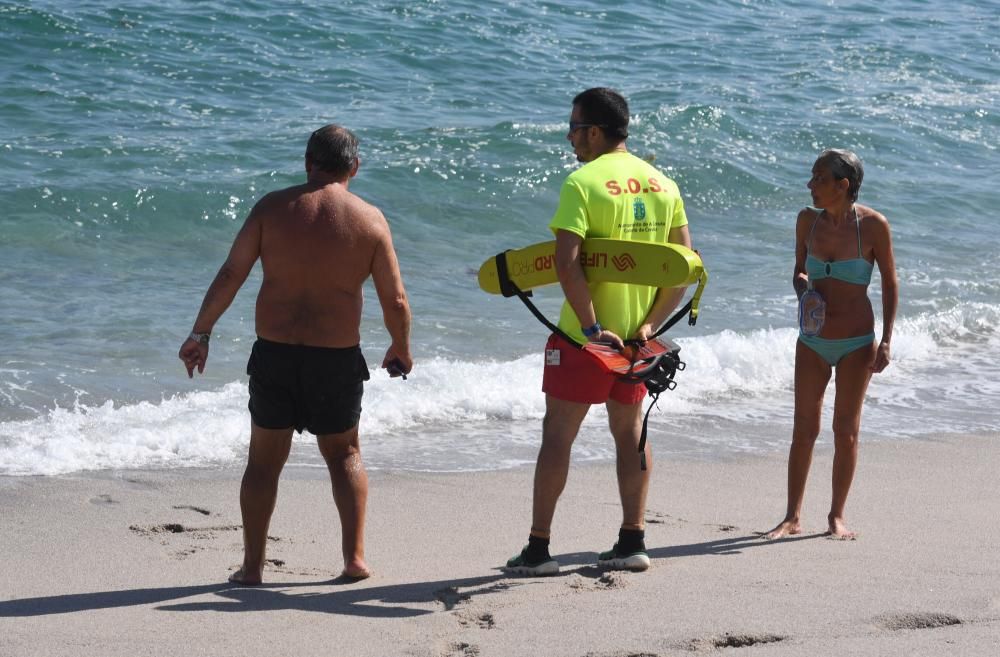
[574, 126]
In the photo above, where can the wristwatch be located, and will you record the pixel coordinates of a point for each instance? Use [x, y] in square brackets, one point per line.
[591, 331]
[200, 338]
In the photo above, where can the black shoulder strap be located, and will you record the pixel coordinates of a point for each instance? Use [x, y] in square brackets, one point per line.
[509, 289]
[674, 319]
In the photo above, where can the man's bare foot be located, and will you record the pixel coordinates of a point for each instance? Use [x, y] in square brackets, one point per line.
[839, 530]
[242, 578]
[785, 528]
[356, 569]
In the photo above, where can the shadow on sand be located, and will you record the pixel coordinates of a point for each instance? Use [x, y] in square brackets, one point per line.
[350, 597]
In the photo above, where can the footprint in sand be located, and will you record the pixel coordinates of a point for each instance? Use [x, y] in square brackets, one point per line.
[461, 649]
[141, 484]
[658, 518]
[183, 540]
[484, 621]
[196, 509]
[916, 621]
[607, 581]
[178, 528]
[279, 566]
[186, 552]
[735, 640]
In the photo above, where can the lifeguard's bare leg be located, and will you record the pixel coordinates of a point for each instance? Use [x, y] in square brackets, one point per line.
[559, 428]
[625, 421]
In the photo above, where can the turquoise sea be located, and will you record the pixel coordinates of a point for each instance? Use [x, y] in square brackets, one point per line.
[135, 137]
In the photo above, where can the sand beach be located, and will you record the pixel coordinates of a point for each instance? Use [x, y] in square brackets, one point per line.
[135, 563]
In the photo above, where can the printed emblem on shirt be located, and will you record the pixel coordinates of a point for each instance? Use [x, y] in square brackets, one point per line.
[638, 209]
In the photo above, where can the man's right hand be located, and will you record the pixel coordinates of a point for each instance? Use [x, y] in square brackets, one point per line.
[194, 354]
[397, 363]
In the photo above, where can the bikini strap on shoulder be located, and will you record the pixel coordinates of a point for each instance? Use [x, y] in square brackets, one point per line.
[819, 213]
[857, 222]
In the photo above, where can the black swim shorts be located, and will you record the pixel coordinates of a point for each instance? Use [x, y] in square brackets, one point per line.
[313, 388]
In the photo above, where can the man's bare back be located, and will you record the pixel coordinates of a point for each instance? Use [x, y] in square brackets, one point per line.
[318, 245]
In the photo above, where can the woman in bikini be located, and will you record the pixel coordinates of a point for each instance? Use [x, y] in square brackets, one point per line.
[837, 244]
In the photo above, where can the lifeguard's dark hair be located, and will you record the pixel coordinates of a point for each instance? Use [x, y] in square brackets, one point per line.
[844, 164]
[333, 149]
[605, 108]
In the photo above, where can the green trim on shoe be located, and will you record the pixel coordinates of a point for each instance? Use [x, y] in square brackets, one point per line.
[636, 561]
[520, 565]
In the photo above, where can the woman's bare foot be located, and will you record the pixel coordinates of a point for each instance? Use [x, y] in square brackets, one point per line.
[785, 528]
[356, 569]
[839, 530]
[242, 578]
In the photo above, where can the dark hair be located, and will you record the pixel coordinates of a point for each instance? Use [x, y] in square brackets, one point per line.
[844, 164]
[333, 149]
[605, 108]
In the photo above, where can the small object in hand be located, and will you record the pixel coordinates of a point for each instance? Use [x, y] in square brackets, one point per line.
[812, 313]
[395, 368]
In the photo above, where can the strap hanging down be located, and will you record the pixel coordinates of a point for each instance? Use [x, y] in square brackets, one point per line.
[655, 397]
[661, 378]
[509, 289]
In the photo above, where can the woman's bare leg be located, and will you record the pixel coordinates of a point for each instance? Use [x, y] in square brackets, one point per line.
[853, 375]
[812, 374]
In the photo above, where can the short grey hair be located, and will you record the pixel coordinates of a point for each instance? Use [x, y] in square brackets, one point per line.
[845, 164]
[333, 149]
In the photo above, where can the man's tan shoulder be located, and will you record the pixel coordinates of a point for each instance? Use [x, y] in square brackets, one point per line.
[362, 205]
[278, 199]
[363, 211]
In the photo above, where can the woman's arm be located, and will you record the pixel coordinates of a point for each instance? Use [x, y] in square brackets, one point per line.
[886, 260]
[803, 226]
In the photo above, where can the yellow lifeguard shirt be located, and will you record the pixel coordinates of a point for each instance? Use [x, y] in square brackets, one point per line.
[623, 197]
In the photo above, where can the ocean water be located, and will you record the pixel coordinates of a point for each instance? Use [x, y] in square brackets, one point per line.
[134, 139]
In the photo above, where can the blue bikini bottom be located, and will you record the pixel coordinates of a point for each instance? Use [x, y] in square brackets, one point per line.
[833, 350]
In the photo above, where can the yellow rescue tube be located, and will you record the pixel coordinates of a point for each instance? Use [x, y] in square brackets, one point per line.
[603, 260]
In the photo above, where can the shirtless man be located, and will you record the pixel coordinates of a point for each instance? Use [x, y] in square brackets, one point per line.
[317, 243]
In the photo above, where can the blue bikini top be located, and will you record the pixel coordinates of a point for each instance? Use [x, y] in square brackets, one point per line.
[855, 270]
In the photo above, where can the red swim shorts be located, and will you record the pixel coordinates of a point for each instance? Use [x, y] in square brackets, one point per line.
[572, 374]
